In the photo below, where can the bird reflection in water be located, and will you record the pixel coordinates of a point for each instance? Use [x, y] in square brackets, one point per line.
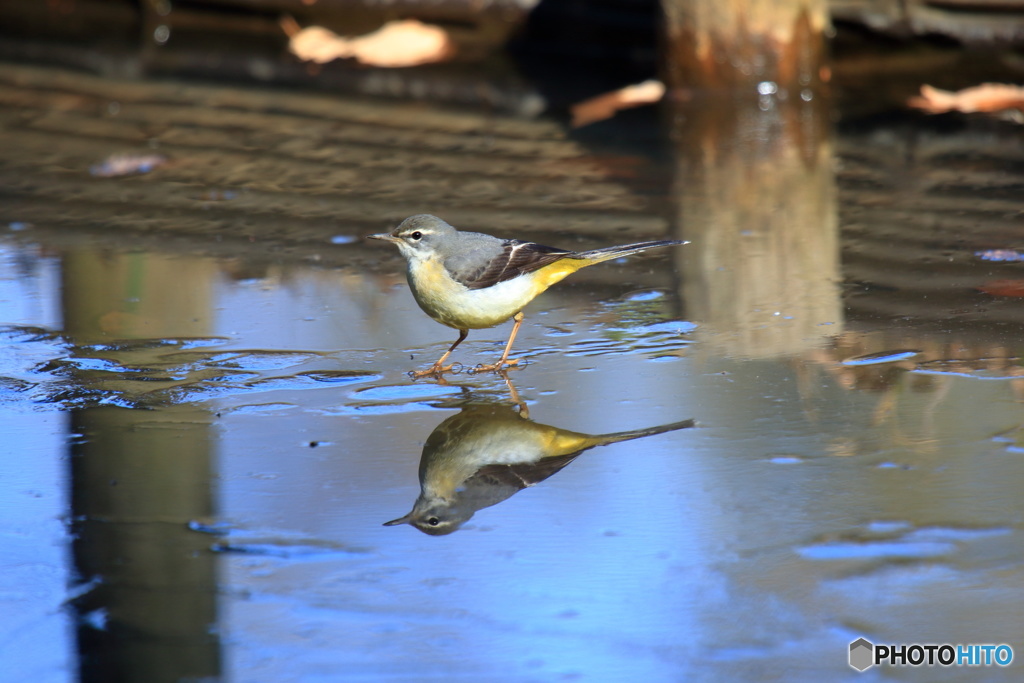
[490, 451]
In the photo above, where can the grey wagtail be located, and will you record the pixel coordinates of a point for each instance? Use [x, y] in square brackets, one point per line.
[470, 281]
[487, 453]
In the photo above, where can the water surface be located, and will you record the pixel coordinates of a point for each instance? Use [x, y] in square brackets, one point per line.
[207, 418]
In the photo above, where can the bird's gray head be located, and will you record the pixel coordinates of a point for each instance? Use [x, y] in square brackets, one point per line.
[418, 236]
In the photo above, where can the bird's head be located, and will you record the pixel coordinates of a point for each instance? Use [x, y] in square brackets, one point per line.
[418, 237]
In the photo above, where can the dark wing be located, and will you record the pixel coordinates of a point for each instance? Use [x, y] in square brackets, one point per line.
[514, 259]
[492, 484]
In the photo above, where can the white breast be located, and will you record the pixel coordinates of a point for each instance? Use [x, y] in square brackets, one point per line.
[454, 305]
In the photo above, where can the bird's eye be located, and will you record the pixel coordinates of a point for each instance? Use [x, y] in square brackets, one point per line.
[433, 521]
[416, 235]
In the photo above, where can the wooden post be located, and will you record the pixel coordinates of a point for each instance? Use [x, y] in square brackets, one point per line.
[745, 46]
[754, 188]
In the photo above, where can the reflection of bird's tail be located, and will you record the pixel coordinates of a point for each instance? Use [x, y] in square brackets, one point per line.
[616, 437]
[609, 253]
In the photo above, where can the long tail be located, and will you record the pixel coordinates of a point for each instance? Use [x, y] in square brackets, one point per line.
[609, 253]
[604, 439]
[564, 442]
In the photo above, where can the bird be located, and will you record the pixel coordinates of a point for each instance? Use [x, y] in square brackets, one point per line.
[488, 452]
[471, 281]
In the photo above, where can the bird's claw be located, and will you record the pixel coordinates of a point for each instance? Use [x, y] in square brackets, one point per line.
[436, 371]
[498, 367]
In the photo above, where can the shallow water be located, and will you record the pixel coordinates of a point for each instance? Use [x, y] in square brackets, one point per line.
[207, 416]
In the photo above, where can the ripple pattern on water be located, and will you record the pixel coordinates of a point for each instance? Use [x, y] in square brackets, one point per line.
[280, 545]
[395, 398]
[881, 357]
[53, 373]
[895, 540]
[977, 368]
[658, 338]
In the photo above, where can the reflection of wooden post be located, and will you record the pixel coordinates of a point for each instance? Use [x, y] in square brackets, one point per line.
[139, 477]
[756, 194]
[109, 295]
[738, 44]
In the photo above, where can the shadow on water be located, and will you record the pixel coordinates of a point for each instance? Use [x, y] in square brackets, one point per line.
[203, 393]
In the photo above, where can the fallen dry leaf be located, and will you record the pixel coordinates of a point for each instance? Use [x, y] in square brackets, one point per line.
[1013, 288]
[395, 44]
[987, 97]
[604, 106]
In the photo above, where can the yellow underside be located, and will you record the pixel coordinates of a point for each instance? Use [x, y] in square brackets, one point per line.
[556, 272]
[560, 442]
[454, 305]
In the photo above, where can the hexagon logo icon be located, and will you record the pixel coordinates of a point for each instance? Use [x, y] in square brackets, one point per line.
[861, 654]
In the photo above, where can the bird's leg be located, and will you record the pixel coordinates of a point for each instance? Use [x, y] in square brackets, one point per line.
[524, 410]
[437, 369]
[503, 361]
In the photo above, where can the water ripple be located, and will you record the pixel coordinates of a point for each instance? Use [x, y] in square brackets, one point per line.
[892, 540]
[881, 357]
[977, 368]
[46, 371]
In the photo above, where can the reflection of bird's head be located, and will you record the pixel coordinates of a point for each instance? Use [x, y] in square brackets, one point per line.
[434, 517]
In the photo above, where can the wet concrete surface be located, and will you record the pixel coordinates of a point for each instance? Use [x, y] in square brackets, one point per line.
[207, 418]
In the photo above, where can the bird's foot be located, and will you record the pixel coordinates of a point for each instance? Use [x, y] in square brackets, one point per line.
[499, 367]
[436, 371]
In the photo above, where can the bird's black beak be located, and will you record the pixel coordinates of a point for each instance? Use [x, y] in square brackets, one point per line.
[400, 520]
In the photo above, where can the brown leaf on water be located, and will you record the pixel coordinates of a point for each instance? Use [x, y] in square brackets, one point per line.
[1013, 288]
[604, 106]
[395, 44]
[987, 97]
